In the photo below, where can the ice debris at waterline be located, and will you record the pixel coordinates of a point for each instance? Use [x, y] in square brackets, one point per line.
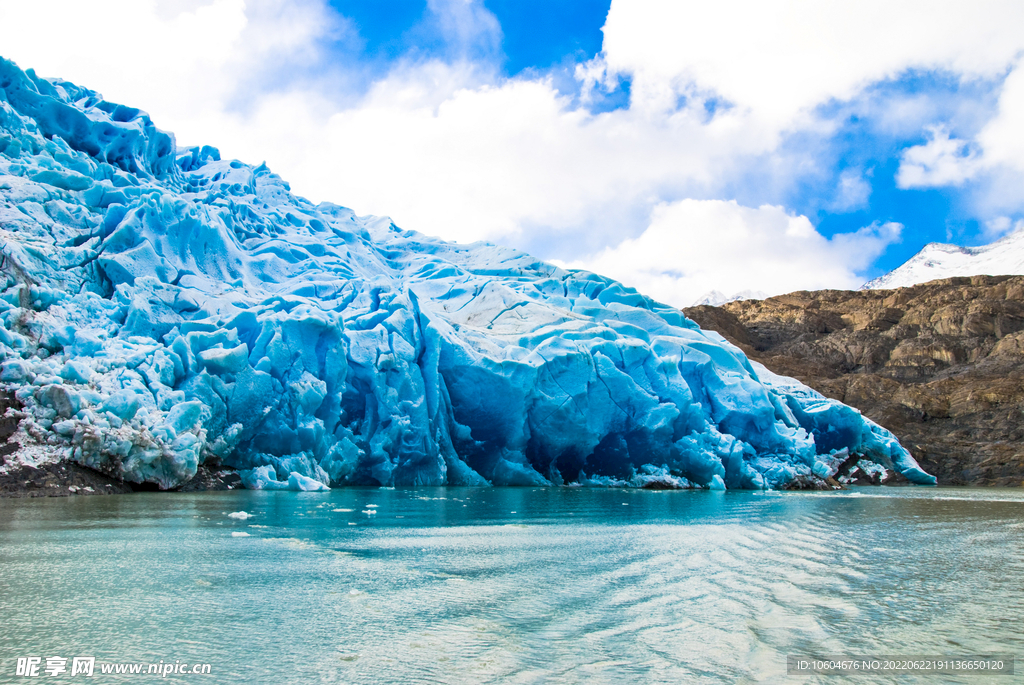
[163, 308]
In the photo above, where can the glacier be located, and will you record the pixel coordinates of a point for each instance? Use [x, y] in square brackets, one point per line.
[162, 308]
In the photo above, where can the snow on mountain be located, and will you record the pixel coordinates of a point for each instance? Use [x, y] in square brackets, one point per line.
[163, 308]
[1005, 257]
[716, 298]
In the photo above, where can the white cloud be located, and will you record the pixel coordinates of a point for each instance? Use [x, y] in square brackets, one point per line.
[1002, 144]
[1002, 139]
[778, 59]
[693, 246]
[489, 160]
[994, 157]
[467, 26]
[999, 226]
[942, 161]
[189, 63]
[852, 191]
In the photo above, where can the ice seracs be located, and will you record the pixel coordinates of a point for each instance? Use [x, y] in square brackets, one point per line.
[163, 308]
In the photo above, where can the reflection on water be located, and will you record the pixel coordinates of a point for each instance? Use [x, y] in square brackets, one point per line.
[503, 585]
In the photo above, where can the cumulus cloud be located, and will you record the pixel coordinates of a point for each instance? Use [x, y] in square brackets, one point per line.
[488, 161]
[191, 64]
[780, 59]
[694, 246]
[993, 158]
[1002, 139]
[1002, 145]
[942, 161]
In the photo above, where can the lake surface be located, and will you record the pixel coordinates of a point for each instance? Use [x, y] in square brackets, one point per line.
[506, 585]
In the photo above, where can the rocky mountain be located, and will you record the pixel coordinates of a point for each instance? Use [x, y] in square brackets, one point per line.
[940, 260]
[940, 364]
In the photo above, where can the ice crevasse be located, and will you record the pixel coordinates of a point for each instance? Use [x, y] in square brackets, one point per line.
[162, 308]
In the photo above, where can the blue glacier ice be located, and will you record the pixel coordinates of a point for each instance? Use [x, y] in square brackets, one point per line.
[162, 308]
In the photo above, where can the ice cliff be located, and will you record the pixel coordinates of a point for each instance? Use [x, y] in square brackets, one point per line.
[163, 308]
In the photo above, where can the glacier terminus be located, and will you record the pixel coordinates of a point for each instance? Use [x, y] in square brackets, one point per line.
[162, 308]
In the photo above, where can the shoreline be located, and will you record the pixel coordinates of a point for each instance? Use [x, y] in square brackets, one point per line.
[45, 473]
[65, 479]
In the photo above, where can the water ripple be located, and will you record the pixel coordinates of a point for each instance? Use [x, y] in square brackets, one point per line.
[513, 586]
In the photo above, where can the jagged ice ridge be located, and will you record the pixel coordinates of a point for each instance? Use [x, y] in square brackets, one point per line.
[163, 308]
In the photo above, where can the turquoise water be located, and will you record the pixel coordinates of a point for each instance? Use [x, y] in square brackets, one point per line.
[509, 585]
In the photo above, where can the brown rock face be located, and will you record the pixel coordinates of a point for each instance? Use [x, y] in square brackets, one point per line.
[940, 364]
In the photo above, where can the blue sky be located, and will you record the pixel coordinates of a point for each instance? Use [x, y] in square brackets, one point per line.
[536, 34]
[678, 146]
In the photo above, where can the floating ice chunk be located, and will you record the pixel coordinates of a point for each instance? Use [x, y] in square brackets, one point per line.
[239, 534]
[264, 478]
[297, 481]
[241, 515]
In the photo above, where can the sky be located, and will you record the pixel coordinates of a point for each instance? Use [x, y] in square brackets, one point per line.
[677, 146]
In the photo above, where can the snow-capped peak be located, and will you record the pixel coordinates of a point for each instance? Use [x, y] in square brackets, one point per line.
[717, 298]
[941, 260]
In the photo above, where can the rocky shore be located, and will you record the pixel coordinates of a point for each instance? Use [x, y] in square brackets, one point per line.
[940, 364]
[49, 475]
